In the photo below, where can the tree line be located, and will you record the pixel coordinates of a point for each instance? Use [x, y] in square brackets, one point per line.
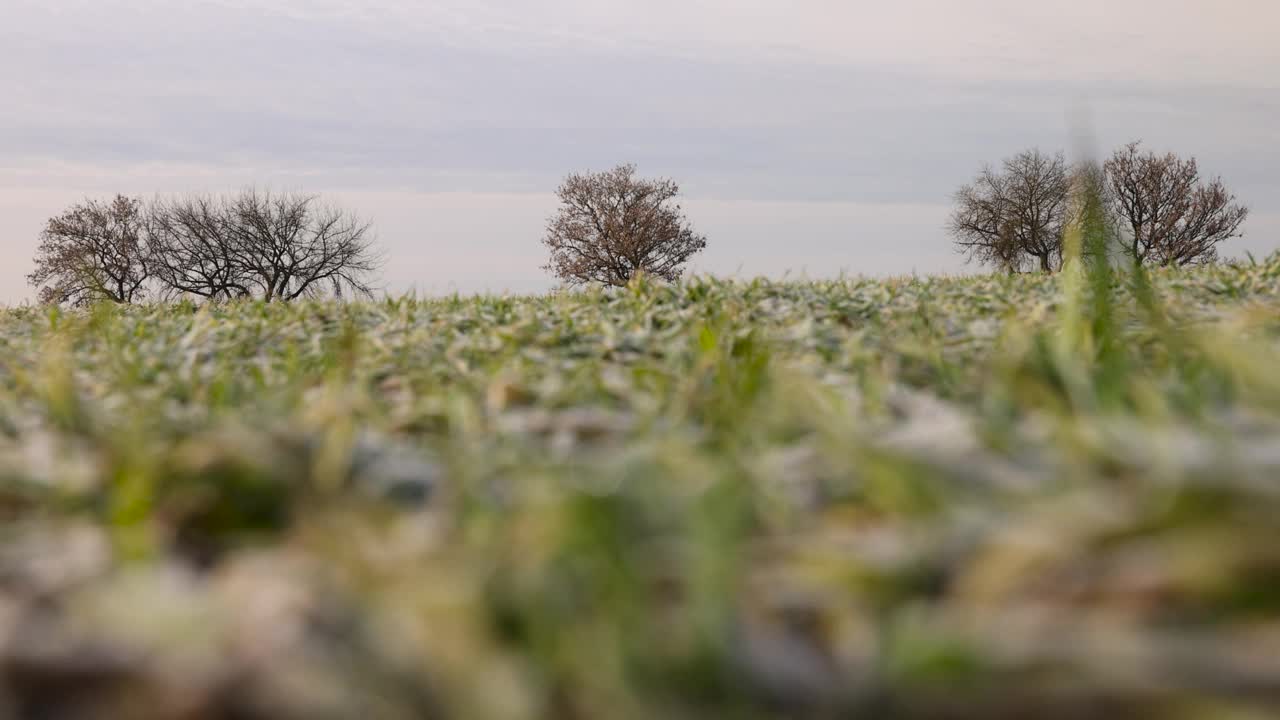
[611, 227]
[255, 244]
[1159, 210]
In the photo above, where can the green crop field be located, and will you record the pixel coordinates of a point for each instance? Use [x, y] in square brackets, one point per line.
[970, 497]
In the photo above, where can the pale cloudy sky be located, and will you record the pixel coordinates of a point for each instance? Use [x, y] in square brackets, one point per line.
[811, 136]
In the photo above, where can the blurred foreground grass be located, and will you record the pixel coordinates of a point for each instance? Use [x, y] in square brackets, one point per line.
[989, 497]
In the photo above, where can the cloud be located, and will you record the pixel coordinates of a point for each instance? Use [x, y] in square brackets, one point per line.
[856, 104]
[1079, 39]
[769, 129]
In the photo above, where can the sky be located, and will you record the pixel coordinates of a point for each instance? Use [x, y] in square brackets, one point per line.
[810, 137]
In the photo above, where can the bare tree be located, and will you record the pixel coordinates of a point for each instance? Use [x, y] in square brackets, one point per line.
[1172, 218]
[982, 224]
[94, 251]
[613, 226]
[193, 252]
[1015, 217]
[278, 247]
[290, 246]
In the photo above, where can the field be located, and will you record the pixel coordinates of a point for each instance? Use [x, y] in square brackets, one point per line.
[972, 497]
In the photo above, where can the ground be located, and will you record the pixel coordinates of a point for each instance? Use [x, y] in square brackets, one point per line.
[971, 497]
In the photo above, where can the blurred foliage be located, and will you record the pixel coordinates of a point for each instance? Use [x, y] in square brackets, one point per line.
[969, 497]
